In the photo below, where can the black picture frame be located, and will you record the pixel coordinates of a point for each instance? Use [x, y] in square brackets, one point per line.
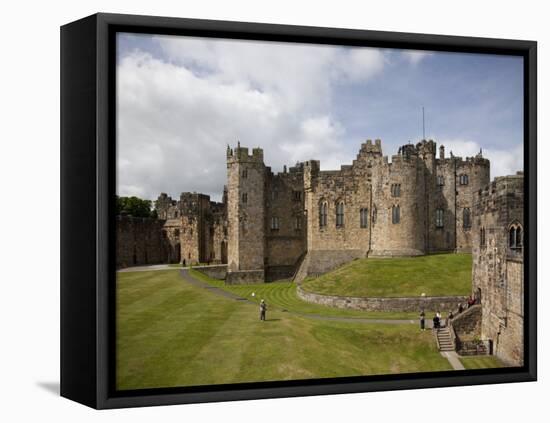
[88, 60]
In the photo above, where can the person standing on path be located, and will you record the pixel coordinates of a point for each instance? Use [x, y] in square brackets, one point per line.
[263, 308]
[422, 320]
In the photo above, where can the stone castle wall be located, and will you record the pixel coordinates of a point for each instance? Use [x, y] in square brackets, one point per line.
[140, 241]
[497, 271]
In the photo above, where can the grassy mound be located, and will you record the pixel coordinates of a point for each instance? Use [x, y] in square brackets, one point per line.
[433, 275]
[282, 295]
[171, 333]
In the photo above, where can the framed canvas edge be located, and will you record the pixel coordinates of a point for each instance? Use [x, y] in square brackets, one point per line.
[107, 23]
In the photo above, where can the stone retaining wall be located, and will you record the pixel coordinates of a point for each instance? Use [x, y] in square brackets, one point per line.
[215, 272]
[394, 304]
[242, 277]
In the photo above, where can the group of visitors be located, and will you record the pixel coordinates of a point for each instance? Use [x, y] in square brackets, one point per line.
[437, 320]
[472, 300]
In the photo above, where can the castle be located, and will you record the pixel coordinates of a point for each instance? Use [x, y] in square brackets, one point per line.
[305, 221]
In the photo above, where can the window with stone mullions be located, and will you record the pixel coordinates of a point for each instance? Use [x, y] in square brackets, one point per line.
[396, 190]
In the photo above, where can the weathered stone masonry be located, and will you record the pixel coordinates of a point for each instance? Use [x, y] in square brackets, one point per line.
[497, 271]
[316, 220]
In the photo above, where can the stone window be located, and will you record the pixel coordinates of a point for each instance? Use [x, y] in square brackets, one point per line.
[396, 190]
[274, 195]
[466, 220]
[244, 197]
[374, 214]
[245, 173]
[323, 207]
[176, 213]
[177, 233]
[297, 195]
[274, 223]
[482, 239]
[340, 214]
[440, 181]
[395, 214]
[463, 179]
[363, 217]
[438, 218]
[298, 222]
[516, 236]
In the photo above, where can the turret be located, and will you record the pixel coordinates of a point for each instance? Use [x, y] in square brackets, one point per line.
[246, 213]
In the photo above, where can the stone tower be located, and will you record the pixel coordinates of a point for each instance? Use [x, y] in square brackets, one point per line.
[497, 273]
[246, 215]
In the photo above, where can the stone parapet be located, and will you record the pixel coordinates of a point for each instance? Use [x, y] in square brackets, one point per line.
[392, 304]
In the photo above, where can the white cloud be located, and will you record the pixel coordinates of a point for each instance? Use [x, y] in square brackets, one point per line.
[414, 57]
[503, 162]
[175, 116]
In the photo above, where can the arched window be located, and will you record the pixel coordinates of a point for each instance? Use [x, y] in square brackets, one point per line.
[323, 214]
[340, 214]
[363, 217]
[466, 220]
[395, 214]
[438, 218]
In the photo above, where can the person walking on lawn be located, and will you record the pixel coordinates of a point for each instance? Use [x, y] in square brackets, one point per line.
[263, 308]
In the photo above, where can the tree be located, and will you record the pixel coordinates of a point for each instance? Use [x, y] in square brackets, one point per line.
[134, 206]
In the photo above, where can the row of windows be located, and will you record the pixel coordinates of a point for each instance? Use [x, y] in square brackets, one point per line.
[395, 188]
[363, 215]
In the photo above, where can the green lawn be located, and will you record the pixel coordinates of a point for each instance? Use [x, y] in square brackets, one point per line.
[481, 362]
[282, 296]
[170, 333]
[433, 275]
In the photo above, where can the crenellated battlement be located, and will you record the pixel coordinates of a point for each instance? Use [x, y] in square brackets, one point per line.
[241, 154]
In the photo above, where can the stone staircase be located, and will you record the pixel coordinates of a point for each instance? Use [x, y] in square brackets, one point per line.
[444, 339]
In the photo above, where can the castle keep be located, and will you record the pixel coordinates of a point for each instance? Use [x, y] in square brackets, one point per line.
[305, 221]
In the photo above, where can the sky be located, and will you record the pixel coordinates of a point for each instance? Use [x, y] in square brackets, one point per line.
[182, 100]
